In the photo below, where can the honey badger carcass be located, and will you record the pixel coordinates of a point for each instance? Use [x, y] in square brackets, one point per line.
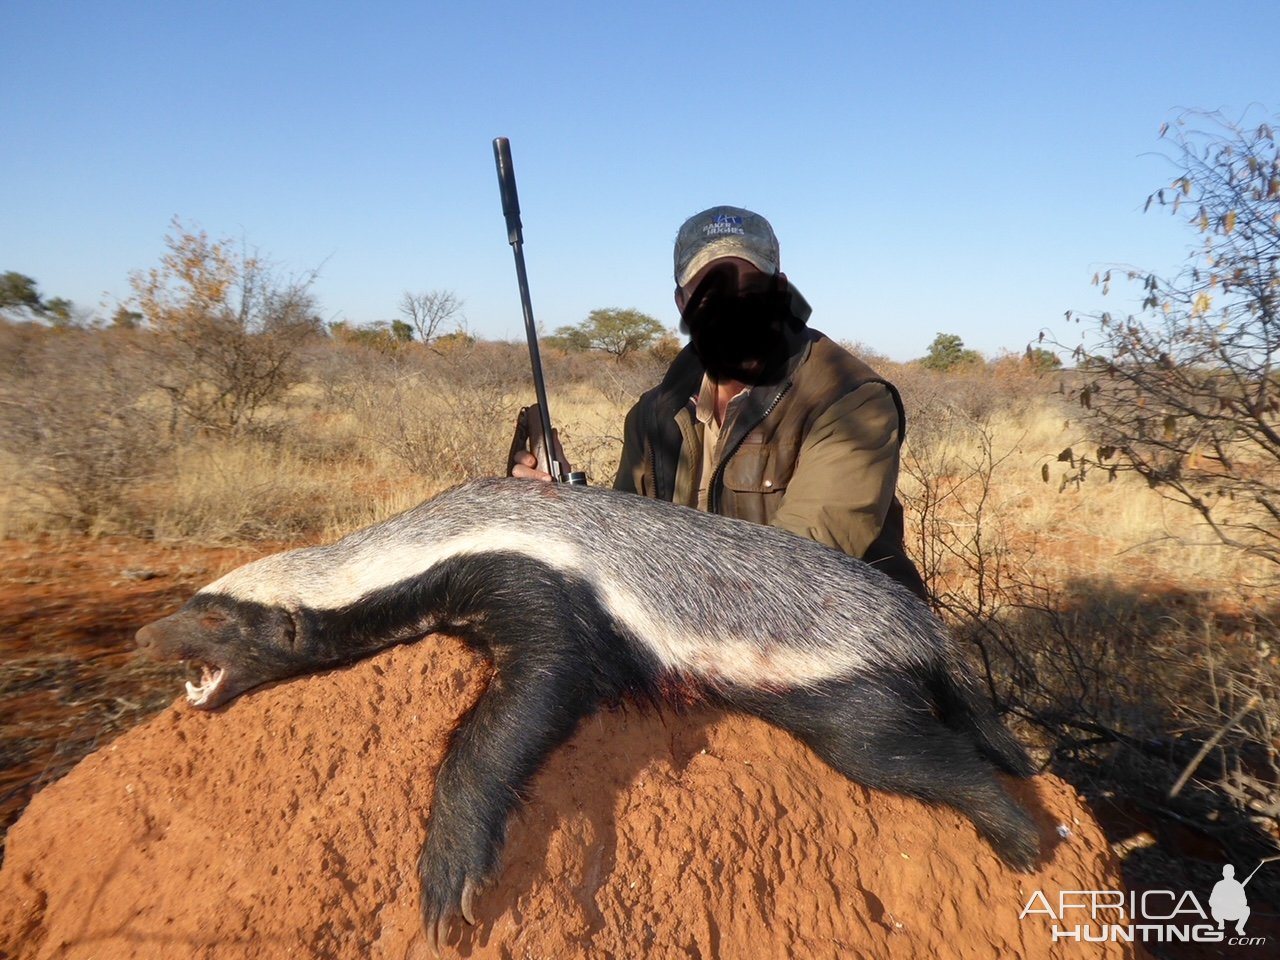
[582, 596]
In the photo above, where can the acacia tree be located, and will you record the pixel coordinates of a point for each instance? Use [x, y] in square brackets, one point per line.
[19, 294]
[226, 328]
[1186, 393]
[615, 331]
[20, 297]
[947, 351]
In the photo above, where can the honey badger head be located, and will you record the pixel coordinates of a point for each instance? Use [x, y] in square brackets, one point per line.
[237, 644]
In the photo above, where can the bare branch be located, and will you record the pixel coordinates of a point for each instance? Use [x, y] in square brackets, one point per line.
[1187, 393]
[428, 312]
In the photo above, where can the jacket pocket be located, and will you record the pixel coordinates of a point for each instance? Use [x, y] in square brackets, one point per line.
[754, 482]
[753, 469]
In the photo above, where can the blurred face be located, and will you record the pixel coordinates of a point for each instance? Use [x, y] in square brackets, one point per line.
[737, 319]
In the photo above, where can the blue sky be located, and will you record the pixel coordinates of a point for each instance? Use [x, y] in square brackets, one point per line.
[957, 167]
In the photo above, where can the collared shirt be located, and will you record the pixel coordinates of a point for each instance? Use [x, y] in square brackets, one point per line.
[704, 412]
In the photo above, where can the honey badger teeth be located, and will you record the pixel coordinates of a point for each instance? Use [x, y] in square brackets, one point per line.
[210, 679]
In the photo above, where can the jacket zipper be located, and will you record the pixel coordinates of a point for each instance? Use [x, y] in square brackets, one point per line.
[714, 488]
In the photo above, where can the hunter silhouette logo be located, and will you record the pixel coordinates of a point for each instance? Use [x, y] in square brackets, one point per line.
[1228, 900]
[1149, 916]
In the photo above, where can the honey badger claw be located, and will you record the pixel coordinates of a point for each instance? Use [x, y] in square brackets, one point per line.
[435, 922]
[436, 934]
[468, 902]
[436, 916]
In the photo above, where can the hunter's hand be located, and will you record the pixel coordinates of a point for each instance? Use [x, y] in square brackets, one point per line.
[521, 462]
[524, 466]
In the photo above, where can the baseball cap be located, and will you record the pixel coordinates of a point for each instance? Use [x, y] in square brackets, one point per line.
[724, 232]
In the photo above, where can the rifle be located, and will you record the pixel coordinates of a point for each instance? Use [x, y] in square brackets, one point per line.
[1257, 868]
[515, 236]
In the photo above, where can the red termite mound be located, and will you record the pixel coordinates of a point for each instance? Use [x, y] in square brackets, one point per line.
[288, 824]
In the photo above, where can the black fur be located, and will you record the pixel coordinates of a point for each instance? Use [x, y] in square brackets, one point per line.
[557, 658]
[888, 731]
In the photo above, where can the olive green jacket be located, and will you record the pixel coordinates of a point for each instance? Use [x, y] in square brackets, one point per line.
[816, 453]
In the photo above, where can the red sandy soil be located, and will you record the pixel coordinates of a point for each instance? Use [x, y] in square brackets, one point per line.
[68, 679]
[288, 825]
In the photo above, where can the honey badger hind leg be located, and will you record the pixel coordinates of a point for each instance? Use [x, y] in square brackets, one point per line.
[882, 731]
[532, 705]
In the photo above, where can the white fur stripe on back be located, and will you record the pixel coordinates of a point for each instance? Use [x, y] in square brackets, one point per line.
[329, 578]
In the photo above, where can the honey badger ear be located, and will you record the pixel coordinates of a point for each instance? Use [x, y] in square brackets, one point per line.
[280, 629]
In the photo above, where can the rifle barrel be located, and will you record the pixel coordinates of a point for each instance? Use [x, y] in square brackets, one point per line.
[515, 236]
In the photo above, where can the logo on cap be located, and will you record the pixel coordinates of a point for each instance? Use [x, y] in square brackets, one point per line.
[724, 225]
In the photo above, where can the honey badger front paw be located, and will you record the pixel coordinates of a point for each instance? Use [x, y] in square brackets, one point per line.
[450, 883]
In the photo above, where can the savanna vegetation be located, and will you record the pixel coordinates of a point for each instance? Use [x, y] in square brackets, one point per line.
[1102, 537]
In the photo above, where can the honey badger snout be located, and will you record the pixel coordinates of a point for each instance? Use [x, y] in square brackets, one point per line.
[159, 640]
[146, 638]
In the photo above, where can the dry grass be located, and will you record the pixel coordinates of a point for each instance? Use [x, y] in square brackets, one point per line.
[1122, 531]
[372, 432]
